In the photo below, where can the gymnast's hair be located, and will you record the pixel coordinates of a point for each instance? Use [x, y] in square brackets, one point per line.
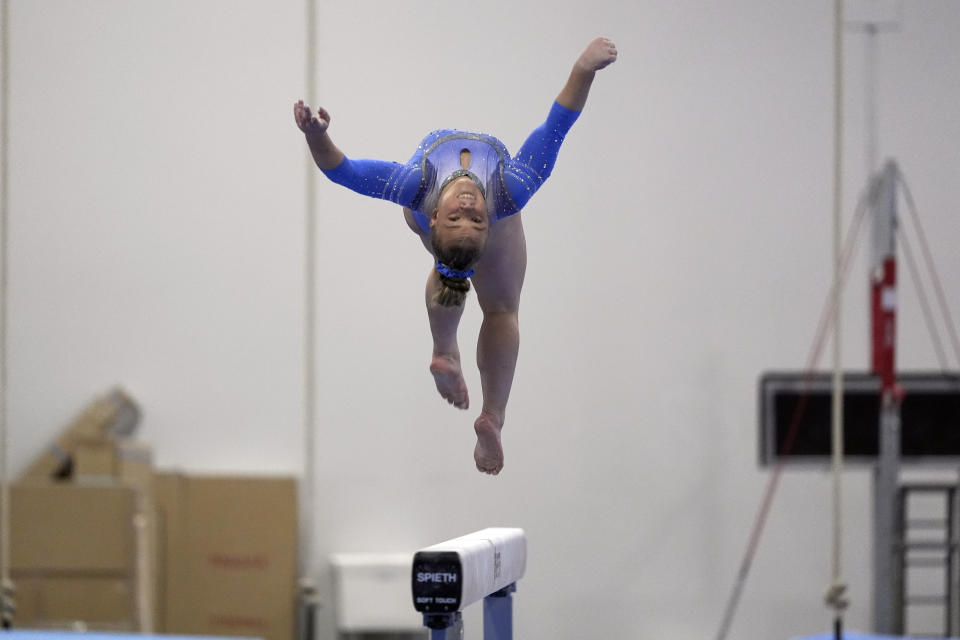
[454, 258]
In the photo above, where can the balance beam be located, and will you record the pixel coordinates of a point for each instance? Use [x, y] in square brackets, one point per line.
[452, 575]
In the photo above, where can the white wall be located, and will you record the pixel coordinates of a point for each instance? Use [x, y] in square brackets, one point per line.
[682, 247]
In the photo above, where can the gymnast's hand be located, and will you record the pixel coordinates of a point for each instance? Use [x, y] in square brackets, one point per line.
[324, 152]
[311, 125]
[599, 54]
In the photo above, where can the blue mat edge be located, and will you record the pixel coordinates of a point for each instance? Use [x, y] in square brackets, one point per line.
[856, 635]
[54, 634]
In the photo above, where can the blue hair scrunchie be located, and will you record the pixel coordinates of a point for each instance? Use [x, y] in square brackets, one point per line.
[443, 269]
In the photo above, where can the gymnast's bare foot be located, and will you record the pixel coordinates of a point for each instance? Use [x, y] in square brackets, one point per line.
[488, 453]
[449, 378]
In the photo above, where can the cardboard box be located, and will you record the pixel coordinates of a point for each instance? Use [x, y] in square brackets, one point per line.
[65, 527]
[111, 461]
[230, 555]
[62, 601]
[94, 459]
[134, 465]
[172, 571]
[112, 415]
[72, 555]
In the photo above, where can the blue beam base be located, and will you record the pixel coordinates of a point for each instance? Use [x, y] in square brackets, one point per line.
[498, 614]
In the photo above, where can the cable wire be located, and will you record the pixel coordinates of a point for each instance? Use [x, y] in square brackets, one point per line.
[835, 593]
[854, 233]
[931, 267]
[922, 297]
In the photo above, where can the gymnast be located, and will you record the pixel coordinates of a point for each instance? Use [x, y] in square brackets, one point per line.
[462, 194]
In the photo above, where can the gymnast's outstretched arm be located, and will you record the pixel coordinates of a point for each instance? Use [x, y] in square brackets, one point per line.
[366, 177]
[314, 127]
[534, 161]
[599, 54]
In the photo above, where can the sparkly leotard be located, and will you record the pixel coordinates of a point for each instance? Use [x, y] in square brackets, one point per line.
[508, 183]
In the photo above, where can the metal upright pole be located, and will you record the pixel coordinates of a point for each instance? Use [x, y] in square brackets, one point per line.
[870, 99]
[308, 598]
[6, 585]
[873, 19]
[887, 607]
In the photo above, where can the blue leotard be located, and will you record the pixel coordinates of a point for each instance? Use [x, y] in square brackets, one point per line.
[508, 183]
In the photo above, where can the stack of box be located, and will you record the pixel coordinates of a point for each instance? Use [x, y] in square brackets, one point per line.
[113, 545]
[82, 538]
[73, 558]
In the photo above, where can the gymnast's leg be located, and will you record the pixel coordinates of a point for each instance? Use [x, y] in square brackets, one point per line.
[445, 363]
[498, 281]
